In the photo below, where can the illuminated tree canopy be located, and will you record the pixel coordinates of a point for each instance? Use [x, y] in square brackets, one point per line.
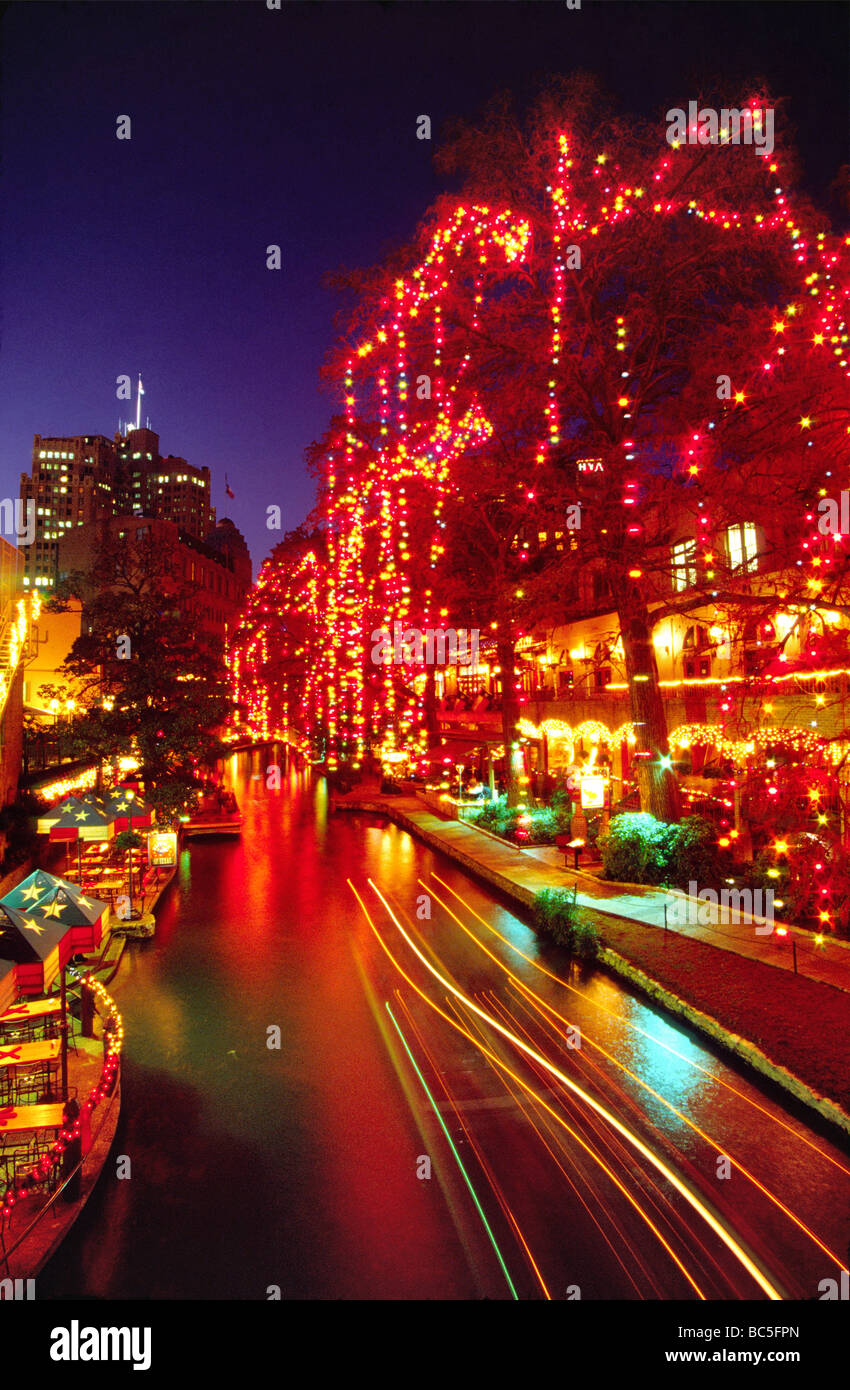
[670, 312]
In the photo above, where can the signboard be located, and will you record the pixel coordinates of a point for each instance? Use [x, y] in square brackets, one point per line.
[162, 849]
[592, 793]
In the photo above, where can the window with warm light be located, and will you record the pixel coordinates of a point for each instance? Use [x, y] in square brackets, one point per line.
[742, 547]
[684, 565]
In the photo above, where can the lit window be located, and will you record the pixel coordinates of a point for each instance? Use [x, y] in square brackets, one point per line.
[684, 565]
[742, 546]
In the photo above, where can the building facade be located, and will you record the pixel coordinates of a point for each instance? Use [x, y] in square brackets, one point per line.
[79, 479]
[208, 584]
[763, 666]
[14, 638]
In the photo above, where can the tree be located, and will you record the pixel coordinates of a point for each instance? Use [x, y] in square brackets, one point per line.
[595, 322]
[275, 649]
[151, 683]
[651, 278]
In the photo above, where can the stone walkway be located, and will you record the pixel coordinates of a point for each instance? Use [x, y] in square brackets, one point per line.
[522, 873]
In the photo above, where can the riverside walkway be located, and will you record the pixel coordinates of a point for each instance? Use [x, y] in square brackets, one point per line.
[521, 873]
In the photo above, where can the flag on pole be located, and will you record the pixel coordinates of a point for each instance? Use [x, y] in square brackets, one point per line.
[228, 488]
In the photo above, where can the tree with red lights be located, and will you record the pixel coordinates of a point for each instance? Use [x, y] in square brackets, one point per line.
[663, 297]
[602, 358]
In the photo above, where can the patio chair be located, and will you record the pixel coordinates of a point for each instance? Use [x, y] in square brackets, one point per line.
[27, 1089]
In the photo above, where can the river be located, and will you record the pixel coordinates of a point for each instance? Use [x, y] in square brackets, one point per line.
[257, 1168]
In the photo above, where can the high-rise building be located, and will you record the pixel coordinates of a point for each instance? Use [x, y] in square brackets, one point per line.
[81, 478]
[15, 638]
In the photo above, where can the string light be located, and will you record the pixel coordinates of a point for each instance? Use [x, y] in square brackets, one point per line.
[114, 1043]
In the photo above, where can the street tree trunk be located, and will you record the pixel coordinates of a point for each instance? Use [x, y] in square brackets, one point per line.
[505, 648]
[432, 723]
[659, 790]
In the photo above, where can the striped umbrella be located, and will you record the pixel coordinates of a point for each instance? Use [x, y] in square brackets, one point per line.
[125, 805]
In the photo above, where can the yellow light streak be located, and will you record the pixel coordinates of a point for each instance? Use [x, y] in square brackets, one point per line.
[693, 1201]
[680, 1056]
[541, 1004]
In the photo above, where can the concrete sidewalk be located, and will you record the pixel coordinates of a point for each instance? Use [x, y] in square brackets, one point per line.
[525, 872]
[724, 927]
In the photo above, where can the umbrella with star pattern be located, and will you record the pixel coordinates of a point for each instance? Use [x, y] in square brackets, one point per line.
[40, 946]
[49, 896]
[85, 821]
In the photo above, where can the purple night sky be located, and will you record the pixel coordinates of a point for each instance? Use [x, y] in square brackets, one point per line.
[296, 127]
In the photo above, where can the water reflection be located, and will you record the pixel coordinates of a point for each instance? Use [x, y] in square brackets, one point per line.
[254, 1166]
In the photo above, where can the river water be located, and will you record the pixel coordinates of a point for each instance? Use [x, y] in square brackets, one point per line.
[255, 1167]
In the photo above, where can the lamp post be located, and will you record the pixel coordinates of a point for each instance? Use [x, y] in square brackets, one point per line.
[552, 663]
[54, 710]
[63, 1029]
[130, 798]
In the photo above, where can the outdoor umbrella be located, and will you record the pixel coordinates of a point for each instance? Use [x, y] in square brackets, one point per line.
[48, 896]
[39, 946]
[123, 805]
[85, 821]
[8, 984]
[30, 890]
[49, 819]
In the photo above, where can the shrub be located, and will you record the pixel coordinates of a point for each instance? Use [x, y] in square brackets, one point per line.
[632, 848]
[531, 825]
[556, 914]
[127, 839]
[586, 942]
[695, 854]
[494, 815]
[640, 849]
[541, 827]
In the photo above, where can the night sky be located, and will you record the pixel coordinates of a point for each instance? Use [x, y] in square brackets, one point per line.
[294, 127]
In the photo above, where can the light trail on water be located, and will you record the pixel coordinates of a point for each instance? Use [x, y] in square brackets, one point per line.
[632, 1139]
[703, 1134]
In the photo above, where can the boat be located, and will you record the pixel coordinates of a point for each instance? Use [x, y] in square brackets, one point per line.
[217, 814]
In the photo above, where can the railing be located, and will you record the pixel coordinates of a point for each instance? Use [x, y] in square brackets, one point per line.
[108, 1084]
[78, 1168]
